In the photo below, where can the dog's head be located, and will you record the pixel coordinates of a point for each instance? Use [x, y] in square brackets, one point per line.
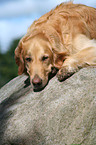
[35, 56]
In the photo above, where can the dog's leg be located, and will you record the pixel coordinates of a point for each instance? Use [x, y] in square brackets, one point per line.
[83, 58]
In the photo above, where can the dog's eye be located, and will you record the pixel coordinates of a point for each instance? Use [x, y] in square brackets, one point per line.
[44, 58]
[28, 59]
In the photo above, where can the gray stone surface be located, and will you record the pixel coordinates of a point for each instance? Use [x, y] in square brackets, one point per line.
[64, 113]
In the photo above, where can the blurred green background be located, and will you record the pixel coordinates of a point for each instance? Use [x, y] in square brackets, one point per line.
[8, 67]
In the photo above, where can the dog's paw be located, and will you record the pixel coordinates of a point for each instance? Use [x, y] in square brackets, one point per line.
[64, 73]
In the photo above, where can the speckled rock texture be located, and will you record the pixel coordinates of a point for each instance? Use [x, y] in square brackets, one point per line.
[63, 113]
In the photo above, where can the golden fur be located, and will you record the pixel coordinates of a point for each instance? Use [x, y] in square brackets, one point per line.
[63, 38]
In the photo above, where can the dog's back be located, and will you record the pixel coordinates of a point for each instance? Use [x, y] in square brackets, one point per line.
[75, 17]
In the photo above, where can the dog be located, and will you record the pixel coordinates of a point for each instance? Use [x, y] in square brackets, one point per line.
[64, 38]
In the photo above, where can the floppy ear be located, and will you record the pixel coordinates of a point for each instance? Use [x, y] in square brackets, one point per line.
[19, 59]
[59, 59]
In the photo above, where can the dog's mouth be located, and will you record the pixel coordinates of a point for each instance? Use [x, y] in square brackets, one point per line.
[40, 88]
[39, 84]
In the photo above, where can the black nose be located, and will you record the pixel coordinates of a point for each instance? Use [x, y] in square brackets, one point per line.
[36, 81]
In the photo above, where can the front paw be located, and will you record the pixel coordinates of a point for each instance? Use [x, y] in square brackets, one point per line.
[64, 73]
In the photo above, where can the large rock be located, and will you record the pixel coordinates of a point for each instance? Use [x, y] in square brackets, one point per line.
[64, 113]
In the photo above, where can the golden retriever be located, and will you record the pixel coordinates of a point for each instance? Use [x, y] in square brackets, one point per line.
[64, 38]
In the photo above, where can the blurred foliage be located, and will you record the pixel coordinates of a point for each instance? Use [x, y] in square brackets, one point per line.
[8, 67]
